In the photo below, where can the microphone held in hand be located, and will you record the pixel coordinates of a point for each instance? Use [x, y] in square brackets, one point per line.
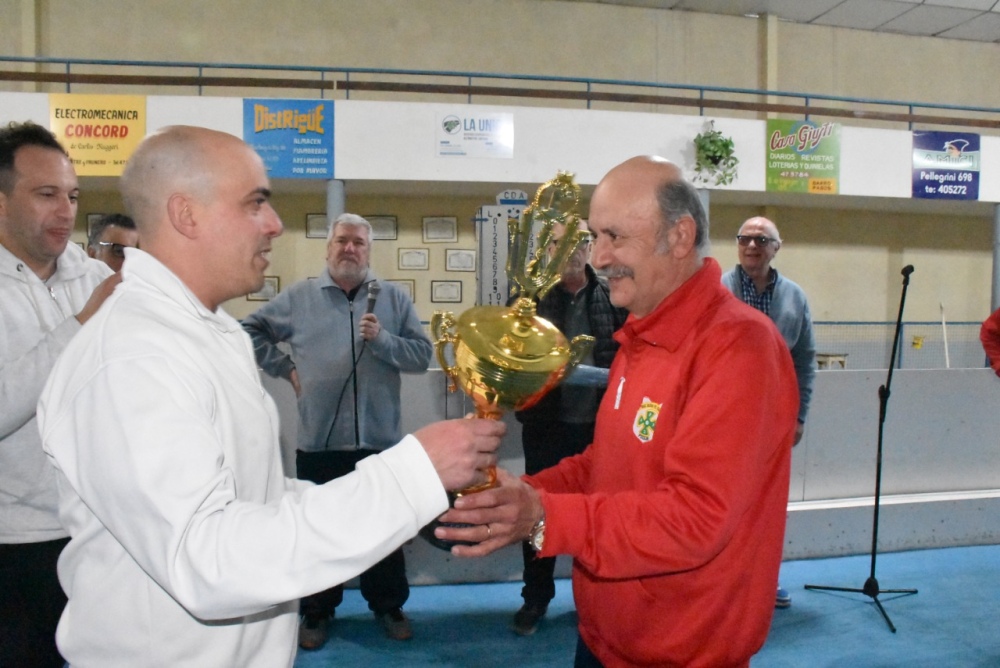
[373, 289]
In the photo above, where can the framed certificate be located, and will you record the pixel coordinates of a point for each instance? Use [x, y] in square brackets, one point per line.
[459, 259]
[316, 227]
[406, 285]
[438, 229]
[414, 259]
[267, 292]
[383, 227]
[448, 292]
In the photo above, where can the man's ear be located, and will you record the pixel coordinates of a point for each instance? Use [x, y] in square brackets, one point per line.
[180, 210]
[682, 236]
[91, 252]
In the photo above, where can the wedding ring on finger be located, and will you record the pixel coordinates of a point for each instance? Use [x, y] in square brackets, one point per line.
[489, 532]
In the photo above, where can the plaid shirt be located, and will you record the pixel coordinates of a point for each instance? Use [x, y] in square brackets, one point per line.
[762, 301]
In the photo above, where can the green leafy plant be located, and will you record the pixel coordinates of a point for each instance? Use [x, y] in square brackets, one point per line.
[714, 157]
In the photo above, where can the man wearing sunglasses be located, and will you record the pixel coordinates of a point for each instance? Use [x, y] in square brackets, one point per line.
[760, 285]
[109, 237]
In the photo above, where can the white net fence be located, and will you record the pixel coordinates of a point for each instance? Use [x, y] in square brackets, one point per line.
[922, 345]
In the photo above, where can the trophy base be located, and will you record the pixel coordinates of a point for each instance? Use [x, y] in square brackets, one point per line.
[427, 533]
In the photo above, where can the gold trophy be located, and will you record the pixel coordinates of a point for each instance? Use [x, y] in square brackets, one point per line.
[508, 357]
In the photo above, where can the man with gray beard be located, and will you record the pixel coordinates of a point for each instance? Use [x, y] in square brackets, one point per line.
[344, 365]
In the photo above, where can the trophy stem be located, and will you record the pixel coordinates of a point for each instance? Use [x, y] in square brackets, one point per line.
[488, 413]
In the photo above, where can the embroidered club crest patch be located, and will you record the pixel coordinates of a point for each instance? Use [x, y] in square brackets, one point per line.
[645, 420]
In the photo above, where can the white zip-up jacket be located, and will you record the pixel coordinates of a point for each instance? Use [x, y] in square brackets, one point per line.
[188, 546]
[37, 321]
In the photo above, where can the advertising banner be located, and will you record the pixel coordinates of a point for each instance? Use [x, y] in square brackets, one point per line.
[803, 157]
[294, 137]
[475, 135]
[946, 165]
[98, 131]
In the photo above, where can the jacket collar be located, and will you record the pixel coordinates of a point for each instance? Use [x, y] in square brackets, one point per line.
[674, 318]
[141, 266]
[71, 264]
[326, 281]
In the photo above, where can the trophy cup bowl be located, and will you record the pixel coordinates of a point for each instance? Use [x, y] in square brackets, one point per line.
[507, 358]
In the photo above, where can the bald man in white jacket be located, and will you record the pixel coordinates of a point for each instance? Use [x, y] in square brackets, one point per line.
[188, 545]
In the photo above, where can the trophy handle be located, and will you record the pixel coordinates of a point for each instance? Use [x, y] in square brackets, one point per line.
[442, 330]
[579, 347]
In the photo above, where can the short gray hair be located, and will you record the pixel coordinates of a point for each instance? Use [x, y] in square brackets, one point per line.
[349, 219]
[678, 198]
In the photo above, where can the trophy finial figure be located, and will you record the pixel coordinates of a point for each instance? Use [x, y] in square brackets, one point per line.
[555, 202]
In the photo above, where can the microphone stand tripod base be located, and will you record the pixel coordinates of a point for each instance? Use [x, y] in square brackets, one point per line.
[871, 590]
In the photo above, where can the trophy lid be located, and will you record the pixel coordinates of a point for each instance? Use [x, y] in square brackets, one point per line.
[513, 339]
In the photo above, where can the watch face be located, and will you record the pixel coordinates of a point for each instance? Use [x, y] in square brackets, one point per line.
[538, 537]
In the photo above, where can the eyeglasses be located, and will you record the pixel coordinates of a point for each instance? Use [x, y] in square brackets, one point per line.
[761, 240]
[118, 250]
[583, 244]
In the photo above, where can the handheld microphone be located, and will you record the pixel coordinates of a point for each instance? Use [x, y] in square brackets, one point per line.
[907, 270]
[373, 289]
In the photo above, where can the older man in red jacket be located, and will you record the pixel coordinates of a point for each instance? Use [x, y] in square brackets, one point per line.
[675, 515]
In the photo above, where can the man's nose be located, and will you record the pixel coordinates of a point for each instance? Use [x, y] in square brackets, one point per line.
[274, 225]
[67, 207]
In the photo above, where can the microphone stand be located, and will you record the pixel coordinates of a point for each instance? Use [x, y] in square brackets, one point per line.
[871, 586]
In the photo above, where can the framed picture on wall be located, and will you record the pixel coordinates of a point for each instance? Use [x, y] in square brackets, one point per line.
[92, 219]
[459, 259]
[383, 227]
[316, 226]
[438, 229]
[414, 259]
[407, 285]
[448, 292]
[268, 291]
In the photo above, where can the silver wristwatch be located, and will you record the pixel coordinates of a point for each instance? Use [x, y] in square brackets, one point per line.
[537, 536]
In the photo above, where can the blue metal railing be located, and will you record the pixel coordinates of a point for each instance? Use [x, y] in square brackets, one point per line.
[350, 74]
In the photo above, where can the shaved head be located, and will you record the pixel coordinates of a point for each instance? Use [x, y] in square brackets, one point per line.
[174, 159]
[201, 201]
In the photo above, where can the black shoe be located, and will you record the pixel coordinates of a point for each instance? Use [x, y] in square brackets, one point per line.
[395, 623]
[526, 619]
[313, 632]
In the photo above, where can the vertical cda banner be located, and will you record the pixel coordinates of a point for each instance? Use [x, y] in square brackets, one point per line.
[803, 157]
[293, 137]
[946, 165]
[98, 131]
[492, 230]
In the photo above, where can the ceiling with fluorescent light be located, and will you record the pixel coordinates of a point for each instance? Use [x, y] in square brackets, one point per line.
[975, 20]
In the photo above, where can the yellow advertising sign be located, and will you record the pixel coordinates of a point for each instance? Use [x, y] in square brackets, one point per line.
[98, 131]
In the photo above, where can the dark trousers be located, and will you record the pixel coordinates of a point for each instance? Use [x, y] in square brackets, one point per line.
[31, 602]
[383, 585]
[584, 657]
[546, 443]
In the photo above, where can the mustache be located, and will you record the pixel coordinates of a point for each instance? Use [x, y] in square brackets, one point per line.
[616, 271]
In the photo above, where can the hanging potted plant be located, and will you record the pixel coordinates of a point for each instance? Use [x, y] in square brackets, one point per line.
[714, 157]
